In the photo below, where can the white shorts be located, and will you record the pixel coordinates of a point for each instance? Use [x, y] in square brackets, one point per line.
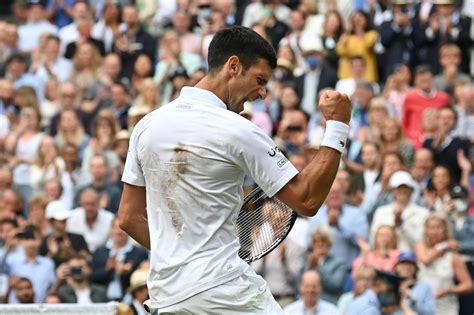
[247, 294]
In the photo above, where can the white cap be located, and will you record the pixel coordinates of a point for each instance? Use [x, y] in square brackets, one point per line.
[57, 210]
[311, 45]
[400, 178]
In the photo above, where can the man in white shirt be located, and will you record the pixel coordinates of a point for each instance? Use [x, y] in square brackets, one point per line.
[92, 222]
[37, 24]
[310, 303]
[406, 217]
[183, 181]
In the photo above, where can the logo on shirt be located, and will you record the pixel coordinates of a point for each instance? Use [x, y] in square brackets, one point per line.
[273, 151]
[282, 162]
[341, 143]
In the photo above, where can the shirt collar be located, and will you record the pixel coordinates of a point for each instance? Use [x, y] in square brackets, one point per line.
[202, 95]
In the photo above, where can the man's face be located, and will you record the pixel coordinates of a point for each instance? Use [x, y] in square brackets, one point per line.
[6, 90]
[369, 156]
[112, 66]
[90, 203]
[31, 246]
[424, 81]
[52, 48]
[25, 292]
[336, 197]
[402, 194]
[98, 168]
[16, 68]
[247, 85]
[59, 225]
[406, 270]
[119, 96]
[310, 288]
[446, 119]
[130, 16]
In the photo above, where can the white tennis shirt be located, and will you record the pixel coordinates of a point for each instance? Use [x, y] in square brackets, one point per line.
[192, 155]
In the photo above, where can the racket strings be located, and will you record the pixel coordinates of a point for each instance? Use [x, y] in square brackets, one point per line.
[261, 225]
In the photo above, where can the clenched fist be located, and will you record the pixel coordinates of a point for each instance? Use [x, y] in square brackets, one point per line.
[335, 106]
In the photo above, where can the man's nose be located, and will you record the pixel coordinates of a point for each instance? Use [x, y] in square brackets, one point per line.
[262, 92]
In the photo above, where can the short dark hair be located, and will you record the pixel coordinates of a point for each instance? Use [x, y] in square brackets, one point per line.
[423, 68]
[242, 42]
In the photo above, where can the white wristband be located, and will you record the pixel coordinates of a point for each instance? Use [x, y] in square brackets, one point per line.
[335, 135]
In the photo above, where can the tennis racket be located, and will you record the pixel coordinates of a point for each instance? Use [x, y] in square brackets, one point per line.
[262, 224]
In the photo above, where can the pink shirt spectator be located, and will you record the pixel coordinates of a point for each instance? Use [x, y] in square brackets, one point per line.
[415, 103]
[374, 260]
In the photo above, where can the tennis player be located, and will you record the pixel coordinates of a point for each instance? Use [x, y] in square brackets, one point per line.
[184, 173]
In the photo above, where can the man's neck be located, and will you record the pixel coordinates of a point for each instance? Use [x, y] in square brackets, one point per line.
[91, 221]
[311, 305]
[99, 182]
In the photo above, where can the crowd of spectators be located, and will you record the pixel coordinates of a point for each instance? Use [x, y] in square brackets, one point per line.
[396, 233]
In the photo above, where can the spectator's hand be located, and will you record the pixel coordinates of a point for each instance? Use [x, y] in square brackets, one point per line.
[452, 245]
[62, 272]
[463, 162]
[348, 26]
[405, 288]
[313, 260]
[333, 216]
[450, 73]
[363, 245]
[434, 23]
[111, 263]
[335, 106]
[429, 197]
[441, 293]
[397, 211]
[123, 268]
[53, 247]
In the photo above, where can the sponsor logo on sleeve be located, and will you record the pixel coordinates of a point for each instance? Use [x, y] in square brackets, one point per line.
[273, 151]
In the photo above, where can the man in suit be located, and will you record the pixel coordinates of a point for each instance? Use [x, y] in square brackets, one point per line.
[113, 264]
[445, 24]
[317, 76]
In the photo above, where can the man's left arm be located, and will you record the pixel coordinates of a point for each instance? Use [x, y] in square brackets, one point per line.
[132, 214]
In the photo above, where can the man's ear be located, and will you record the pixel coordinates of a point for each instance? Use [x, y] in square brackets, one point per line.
[233, 65]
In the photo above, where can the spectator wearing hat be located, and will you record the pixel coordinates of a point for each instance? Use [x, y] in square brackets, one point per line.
[310, 301]
[446, 24]
[441, 267]
[382, 297]
[139, 291]
[59, 244]
[37, 24]
[316, 77]
[38, 269]
[113, 264]
[405, 216]
[417, 295]
[396, 35]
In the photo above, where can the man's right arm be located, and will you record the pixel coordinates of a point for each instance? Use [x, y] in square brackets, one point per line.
[307, 191]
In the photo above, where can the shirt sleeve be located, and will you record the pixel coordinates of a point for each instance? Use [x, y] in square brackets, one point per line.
[261, 159]
[132, 173]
